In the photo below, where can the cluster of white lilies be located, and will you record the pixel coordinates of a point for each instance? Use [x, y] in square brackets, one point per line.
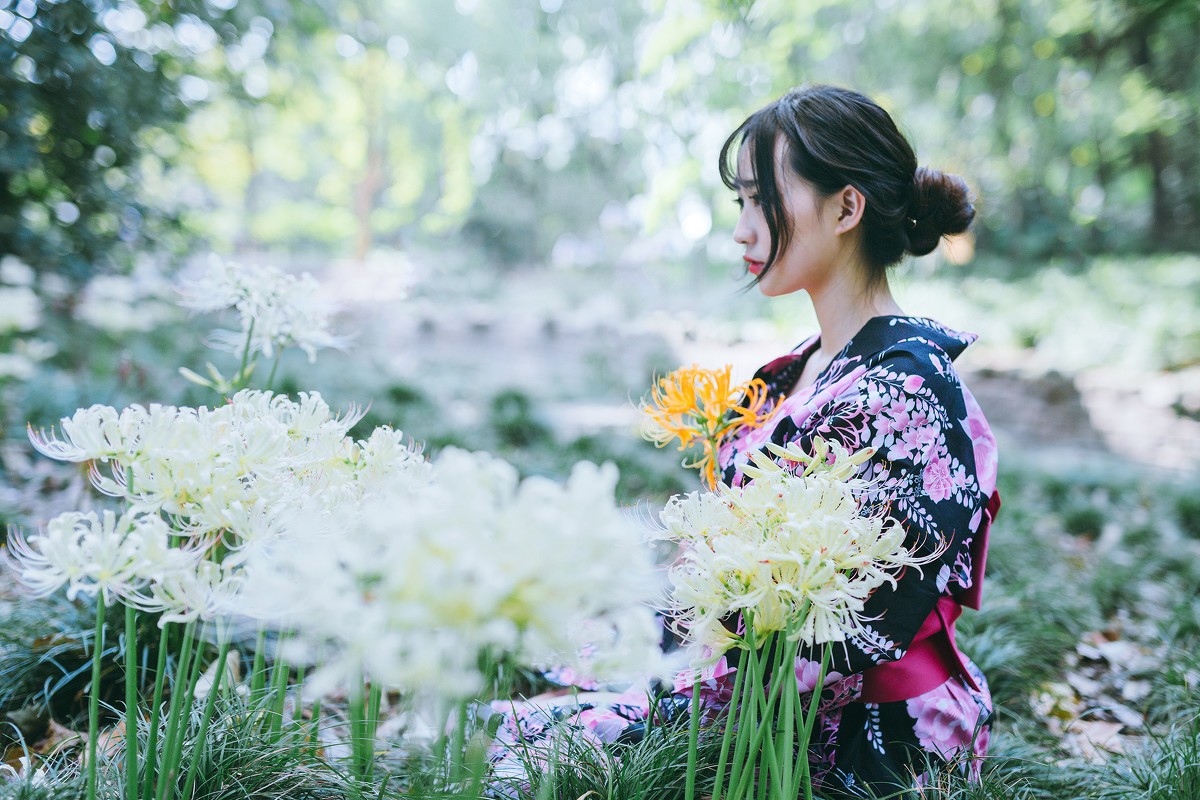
[379, 568]
[388, 569]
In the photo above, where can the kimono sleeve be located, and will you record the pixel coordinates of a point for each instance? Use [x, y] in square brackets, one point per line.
[910, 407]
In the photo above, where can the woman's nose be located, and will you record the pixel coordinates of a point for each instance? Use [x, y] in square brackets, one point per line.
[743, 232]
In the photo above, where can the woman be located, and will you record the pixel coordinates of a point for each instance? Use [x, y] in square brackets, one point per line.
[830, 197]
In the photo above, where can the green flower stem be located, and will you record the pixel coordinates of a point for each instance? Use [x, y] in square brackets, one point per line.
[131, 703]
[279, 681]
[771, 692]
[456, 743]
[257, 671]
[209, 706]
[316, 720]
[693, 734]
[179, 686]
[790, 746]
[241, 375]
[374, 700]
[779, 686]
[357, 761]
[749, 705]
[810, 718]
[298, 694]
[274, 369]
[731, 722]
[175, 754]
[787, 743]
[160, 671]
[756, 747]
[94, 698]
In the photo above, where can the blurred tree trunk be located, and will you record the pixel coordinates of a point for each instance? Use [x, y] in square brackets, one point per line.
[250, 198]
[1162, 210]
[367, 191]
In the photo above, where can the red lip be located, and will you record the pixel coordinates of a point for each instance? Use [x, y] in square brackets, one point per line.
[754, 267]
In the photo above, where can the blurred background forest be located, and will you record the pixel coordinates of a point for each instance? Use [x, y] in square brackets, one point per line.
[337, 128]
[517, 205]
[531, 160]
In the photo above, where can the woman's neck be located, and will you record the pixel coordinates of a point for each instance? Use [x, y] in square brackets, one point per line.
[844, 306]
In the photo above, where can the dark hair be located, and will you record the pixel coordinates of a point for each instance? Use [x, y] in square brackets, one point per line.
[835, 138]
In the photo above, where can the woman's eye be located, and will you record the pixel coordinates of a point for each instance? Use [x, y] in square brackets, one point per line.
[741, 203]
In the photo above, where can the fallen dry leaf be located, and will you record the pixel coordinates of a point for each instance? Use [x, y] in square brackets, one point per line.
[1126, 715]
[109, 742]
[1084, 685]
[233, 669]
[1093, 740]
[1135, 690]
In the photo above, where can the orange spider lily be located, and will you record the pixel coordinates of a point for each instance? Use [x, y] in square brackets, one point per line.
[701, 405]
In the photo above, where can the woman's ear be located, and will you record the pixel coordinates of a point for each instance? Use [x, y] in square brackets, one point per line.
[851, 205]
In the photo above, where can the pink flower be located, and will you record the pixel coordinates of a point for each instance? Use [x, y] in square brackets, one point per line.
[716, 683]
[566, 676]
[944, 723]
[912, 383]
[874, 404]
[806, 675]
[939, 485]
[899, 412]
[801, 411]
[604, 723]
[983, 443]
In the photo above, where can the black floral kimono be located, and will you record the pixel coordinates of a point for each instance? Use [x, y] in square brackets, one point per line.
[900, 695]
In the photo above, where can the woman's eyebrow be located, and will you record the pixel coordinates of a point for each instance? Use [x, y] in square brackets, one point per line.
[738, 183]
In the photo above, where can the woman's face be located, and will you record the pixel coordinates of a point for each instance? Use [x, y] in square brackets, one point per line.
[814, 251]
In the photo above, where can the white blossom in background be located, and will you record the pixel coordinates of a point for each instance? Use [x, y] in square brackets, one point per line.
[794, 546]
[412, 584]
[276, 309]
[20, 309]
[207, 590]
[15, 272]
[14, 365]
[123, 304]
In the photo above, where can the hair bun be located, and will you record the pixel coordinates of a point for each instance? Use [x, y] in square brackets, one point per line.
[941, 205]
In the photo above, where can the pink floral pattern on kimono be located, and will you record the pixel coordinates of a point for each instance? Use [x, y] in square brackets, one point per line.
[892, 387]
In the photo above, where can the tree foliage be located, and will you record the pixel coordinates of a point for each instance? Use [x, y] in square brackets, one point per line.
[561, 131]
[91, 96]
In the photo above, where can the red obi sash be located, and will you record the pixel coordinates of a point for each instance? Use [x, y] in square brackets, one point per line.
[934, 657]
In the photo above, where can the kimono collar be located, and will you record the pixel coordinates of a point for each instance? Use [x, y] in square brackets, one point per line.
[886, 333]
[878, 335]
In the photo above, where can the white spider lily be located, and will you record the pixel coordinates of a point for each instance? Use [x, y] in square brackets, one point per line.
[89, 434]
[199, 465]
[91, 554]
[795, 548]
[276, 309]
[205, 591]
[436, 564]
